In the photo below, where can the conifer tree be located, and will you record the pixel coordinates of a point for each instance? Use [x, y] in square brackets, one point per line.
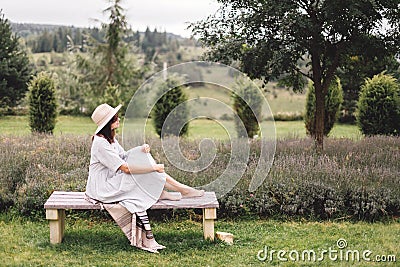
[42, 104]
[14, 67]
[172, 103]
[108, 65]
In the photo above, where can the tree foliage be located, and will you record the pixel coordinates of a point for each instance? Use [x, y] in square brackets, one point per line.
[108, 64]
[333, 100]
[41, 38]
[71, 92]
[42, 104]
[379, 106]
[152, 43]
[172, 104]
[270, 37]
[353, 74]
[14, 67]
[247, 103]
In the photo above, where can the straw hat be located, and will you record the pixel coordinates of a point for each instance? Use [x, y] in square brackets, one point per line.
[103, 114]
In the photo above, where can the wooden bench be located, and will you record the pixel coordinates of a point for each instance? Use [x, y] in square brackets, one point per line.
[59, 201]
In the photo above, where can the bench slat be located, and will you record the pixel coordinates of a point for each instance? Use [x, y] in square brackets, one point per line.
[76, 200]
[74, 207]
[68, 193]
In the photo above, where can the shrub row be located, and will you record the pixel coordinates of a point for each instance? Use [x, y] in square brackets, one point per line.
[352, 179]
[279, 116]
[357, 180]
[288, 116]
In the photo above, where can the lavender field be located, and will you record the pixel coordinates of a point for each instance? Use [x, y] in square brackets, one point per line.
[355, 180]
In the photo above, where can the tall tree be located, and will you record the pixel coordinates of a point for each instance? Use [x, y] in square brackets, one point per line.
[270, 37]
[14, 66]
[115, 51]
[109, 65]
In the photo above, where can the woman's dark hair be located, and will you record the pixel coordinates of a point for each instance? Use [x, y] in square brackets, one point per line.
[106, 131]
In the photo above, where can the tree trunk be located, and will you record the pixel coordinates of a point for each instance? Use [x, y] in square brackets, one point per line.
[320, 101]
[319, 117]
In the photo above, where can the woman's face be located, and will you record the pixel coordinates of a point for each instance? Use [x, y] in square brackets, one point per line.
[115, 123]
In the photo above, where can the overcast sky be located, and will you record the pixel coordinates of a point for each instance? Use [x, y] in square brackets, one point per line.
[169, 15]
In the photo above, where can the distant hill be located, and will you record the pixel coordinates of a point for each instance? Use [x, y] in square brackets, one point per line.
[42, 38]
[26, 29]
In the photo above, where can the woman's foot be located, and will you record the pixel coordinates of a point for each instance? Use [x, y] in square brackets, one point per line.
[191, 192]
[150, 244]
[168, 196]
[158, 246]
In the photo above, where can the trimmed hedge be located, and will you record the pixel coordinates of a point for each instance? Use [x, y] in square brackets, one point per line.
[247, 104]
[357, 180]
[378, 108]
[172, 103]
[42, 104]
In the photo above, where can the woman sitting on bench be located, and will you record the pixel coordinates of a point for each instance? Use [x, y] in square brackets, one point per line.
[133, 179]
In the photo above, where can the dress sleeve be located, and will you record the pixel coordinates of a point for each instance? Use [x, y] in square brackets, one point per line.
[121, 151]
[108, 156]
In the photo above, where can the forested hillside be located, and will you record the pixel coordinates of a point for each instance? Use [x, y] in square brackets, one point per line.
[67, 51]
[42, 38]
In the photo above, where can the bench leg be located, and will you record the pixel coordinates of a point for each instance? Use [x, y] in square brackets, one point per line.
[209, 215]
[57, 224]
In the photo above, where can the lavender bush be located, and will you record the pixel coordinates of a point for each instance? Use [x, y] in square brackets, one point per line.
[357, 180]
[32, 167]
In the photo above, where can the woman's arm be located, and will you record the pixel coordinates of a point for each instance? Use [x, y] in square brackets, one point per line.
[138, 170]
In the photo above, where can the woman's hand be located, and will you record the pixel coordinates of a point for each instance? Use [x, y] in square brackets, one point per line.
[158, 167]
[146, 148]
[141, 169]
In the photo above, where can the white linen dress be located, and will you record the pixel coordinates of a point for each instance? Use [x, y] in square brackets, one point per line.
[107, 184]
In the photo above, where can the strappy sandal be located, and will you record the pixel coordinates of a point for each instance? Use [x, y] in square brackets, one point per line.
[149, 234]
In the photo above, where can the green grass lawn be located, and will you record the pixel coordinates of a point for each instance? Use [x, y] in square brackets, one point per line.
[297, 129]
[200, 128]
[286, 101]
[98, 242]
[19, 125]
[279, 100]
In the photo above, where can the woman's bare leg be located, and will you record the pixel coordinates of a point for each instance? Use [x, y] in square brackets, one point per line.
[185, 190]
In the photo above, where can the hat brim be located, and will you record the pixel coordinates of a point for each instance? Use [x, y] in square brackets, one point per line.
[109, 117]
